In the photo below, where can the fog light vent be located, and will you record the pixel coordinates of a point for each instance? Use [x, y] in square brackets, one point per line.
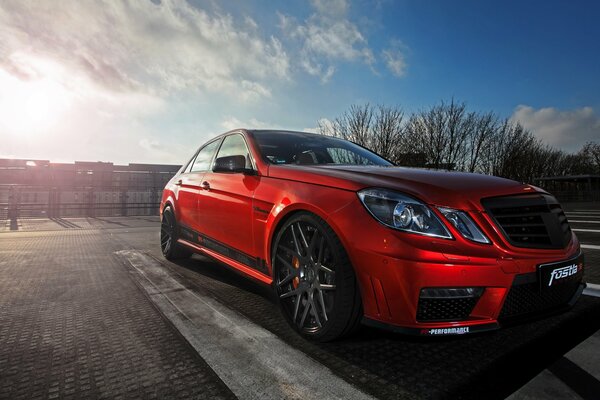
[447, 304]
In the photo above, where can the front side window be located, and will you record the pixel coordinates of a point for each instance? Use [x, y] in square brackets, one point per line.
[235, 145]
[204, 157]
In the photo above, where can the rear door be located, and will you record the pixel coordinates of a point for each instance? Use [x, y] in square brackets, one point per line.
[225, 206]
[190, 185]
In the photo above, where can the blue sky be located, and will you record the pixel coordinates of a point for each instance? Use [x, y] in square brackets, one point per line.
[146, 81]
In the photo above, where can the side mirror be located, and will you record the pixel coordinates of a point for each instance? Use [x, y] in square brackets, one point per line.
[231, 164]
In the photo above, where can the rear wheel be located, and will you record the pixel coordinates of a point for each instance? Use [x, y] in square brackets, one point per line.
[169, 235]
[314, 280]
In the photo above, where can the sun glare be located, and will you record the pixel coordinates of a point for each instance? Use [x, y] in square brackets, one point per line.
[30, 106]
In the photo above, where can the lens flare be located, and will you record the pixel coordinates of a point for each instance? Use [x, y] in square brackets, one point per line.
[29, 106]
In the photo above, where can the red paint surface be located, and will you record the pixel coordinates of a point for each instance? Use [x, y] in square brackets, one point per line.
[391, 266]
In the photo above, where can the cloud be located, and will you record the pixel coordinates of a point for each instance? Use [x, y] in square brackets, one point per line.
[253, 90]
[567, 130]
[159, 48]
[105, 80]
[326, 37]
[231, 123]
[336, 8]
[395, 59]
[150, 144]
[325, 126]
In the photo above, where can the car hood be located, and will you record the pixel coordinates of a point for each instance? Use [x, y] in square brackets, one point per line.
[443, 188]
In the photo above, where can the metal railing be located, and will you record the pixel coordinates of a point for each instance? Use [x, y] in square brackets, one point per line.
[574, 196]
[36, 201]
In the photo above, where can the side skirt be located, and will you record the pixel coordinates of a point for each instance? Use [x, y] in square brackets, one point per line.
[254, 267]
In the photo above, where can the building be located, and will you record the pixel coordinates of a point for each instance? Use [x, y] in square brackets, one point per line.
[39, 188]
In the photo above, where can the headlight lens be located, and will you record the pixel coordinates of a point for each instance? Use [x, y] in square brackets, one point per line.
[464, 224]
[402, 212]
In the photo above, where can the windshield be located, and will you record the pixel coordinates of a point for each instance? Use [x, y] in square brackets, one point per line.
[309, 149]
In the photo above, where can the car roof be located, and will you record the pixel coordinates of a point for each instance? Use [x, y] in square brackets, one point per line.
[284, 132]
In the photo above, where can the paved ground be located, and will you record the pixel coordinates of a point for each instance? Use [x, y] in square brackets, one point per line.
[73, 324]
[79, 317]
[577, 374]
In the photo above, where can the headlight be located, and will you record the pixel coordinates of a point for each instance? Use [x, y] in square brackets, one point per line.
[402, 212]
[464, 224]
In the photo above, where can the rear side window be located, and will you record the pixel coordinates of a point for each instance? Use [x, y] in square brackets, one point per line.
[235, 145]
[204, 157]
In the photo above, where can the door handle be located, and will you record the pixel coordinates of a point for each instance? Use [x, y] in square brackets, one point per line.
[205, 185]
[179, 182]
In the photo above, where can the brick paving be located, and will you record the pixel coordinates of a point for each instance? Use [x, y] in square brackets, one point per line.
[74, 325]
[386, 365]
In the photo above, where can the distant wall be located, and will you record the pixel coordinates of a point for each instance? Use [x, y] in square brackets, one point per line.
[38, 188]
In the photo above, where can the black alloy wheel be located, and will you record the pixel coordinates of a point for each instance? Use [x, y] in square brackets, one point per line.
[314, 281]
[171, 250]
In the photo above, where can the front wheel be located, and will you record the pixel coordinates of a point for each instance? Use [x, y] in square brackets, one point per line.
[314, 280]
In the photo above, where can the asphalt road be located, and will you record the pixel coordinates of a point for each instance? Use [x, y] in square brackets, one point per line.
[576, 375]
[88, 308]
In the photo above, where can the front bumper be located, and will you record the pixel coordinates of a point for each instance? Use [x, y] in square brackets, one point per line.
[393, 268]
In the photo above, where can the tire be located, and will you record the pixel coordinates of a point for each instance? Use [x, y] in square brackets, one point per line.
[169, 234]
[314, 281]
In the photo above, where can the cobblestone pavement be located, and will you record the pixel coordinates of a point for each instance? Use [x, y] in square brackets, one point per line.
[73, 324]
[385, 364]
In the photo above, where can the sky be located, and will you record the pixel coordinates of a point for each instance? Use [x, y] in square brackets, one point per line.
[150, 81]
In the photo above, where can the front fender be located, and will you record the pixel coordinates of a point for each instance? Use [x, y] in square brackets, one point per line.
[295, 197]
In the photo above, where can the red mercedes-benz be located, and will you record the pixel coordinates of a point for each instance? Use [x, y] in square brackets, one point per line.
[344, 236]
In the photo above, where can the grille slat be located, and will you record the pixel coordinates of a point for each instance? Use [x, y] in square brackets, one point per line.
[501, 214]
[533, 221]
[523, 224]
[527, 235]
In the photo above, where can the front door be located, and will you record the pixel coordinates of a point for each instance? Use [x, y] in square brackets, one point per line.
[225, 206]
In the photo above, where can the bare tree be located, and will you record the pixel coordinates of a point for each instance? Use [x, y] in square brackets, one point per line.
[479, 140]
[379, 129]
[591, 154]
[448, 136]
[388, 131]
[424, 135]
[441, 133]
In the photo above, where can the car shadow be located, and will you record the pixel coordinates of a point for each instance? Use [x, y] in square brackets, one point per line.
[214, 270]
[394, 365]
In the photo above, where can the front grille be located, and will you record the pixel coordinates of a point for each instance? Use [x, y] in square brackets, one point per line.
[533, 221]
[445, 309]
[526, 298]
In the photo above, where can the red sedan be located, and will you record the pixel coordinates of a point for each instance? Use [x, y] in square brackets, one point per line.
[344, 236]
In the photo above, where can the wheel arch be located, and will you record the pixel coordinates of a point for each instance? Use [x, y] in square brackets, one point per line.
[283, 216]
[279, 220]
[168, 202]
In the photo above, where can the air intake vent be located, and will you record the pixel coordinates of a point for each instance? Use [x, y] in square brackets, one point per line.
[534, 221]
[447, 304]
[525, 297]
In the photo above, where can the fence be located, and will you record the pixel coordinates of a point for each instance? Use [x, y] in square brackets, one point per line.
[572, 196]
[35, 201]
